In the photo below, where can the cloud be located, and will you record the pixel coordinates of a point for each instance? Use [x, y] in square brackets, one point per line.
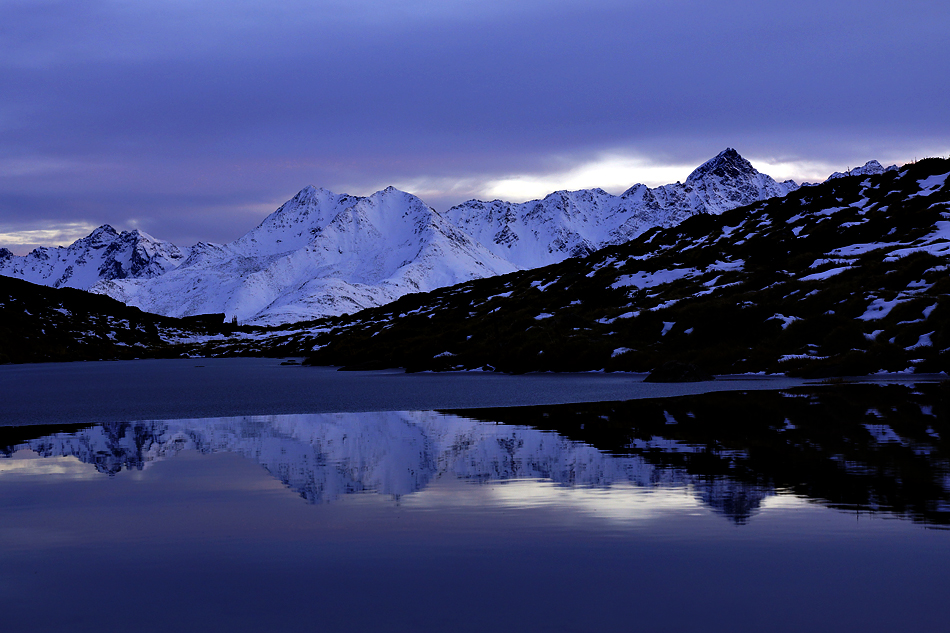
[62, 234]
[188, 115]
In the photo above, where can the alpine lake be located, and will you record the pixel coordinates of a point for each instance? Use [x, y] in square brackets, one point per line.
[247, 495]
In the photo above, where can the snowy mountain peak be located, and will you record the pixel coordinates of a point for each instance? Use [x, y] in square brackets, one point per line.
[101, 235]
[638, 190]
[319, 254]
[322, 253]
[305, 194]
[572, 223]
[870, 168]
[728, 164]
[103, 254]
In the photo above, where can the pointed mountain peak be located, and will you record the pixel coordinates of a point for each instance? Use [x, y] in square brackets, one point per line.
[306, 194]
[390, 192]
[634, 190]
[104, 233]
[105, 229]
[727, 164]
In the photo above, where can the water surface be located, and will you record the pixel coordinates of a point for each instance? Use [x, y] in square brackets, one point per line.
[107, 391]
[816, 509]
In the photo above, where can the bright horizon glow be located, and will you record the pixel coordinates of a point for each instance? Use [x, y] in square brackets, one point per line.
[613, 172]
[57, 235]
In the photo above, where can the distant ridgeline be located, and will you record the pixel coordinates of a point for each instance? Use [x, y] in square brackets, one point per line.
[845, 277]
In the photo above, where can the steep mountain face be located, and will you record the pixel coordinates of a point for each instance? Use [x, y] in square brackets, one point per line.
[319, 254]
[575, 223]
[103, 254]
[846, 277]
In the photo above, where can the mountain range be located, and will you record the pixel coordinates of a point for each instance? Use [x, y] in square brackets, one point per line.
[323, 254]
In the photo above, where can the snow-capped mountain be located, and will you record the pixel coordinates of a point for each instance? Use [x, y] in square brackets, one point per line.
[575, 223]
[319, 254]
[103, 254]
[870, 168]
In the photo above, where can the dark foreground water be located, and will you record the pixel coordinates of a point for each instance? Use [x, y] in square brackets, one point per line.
[51, 393]
[806, 509]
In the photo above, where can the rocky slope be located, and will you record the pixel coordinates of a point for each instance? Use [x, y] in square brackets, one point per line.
[40, 324]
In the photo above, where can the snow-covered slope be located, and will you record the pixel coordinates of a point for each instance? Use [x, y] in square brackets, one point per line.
[575, 223]
[319, 254]
[103, 254]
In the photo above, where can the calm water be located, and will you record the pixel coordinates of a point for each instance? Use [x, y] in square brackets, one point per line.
[52, 393]
[819, 509]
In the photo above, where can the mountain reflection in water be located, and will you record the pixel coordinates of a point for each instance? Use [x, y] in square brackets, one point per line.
[858, 447]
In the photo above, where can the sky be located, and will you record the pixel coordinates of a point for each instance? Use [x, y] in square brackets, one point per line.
[194, 120]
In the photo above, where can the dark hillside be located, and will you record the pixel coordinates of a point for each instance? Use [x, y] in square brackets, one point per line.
[38, 324]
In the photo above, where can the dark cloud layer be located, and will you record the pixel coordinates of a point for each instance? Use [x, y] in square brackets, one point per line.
[192, 120]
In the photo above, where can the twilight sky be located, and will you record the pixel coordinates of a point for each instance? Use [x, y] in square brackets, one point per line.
[194, 120]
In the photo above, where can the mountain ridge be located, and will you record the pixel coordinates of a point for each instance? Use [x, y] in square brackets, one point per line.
[320, 253]
[575, 223]
[104, 254]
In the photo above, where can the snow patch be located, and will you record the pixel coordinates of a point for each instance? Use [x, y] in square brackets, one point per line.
[831, 272]
[786, 320]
